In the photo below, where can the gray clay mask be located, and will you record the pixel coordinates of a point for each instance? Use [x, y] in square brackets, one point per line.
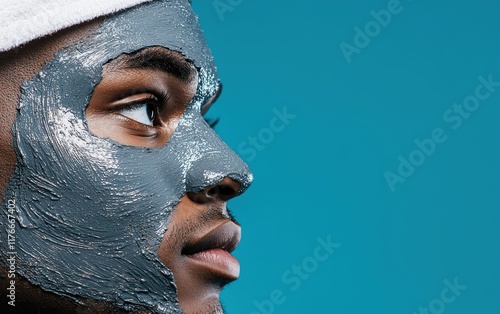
[91, 213]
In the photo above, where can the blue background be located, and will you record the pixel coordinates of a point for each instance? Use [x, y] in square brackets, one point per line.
[323, 174]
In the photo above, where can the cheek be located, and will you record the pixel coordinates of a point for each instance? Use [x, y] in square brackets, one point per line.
[93, 185]
[89, 208]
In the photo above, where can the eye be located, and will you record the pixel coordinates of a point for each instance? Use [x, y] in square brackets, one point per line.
[144, 113]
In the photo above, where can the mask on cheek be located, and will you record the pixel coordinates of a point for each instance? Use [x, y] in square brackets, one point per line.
[91, 212]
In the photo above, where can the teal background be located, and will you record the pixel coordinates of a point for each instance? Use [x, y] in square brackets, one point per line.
[323, 174]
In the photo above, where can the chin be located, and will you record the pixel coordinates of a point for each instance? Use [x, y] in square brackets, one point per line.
[210, 306]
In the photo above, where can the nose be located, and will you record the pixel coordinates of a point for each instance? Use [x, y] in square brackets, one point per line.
[213, 171]
[223, 191]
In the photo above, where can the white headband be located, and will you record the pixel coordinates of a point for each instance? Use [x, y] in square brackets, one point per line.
[25, 20]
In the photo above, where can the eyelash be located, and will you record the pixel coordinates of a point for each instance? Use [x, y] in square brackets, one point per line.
[212, 122]
[156, 108]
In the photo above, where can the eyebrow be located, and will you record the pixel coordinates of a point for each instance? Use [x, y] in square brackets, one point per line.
[157, 58]
[163, 59]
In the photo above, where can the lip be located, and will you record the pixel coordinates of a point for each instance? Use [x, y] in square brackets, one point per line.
[212, 251]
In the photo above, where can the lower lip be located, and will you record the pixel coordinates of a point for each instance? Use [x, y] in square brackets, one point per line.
[219, 261]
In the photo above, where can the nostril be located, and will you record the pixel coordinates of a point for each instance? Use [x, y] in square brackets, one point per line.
[226, 191]
[222, 191]
[213, 191]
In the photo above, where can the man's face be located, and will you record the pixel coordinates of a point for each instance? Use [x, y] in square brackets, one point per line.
[119, 179]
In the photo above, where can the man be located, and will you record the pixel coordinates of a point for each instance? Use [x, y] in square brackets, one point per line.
[115, 188]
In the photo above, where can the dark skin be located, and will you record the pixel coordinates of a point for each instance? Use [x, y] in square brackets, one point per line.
[137, 106]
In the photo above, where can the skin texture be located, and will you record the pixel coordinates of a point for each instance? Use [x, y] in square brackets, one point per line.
[21, 64]
[125, 206]
[15, 66]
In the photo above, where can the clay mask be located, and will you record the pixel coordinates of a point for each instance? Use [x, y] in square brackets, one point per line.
[91, 213]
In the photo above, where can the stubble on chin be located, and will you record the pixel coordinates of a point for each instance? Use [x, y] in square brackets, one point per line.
[214, 307]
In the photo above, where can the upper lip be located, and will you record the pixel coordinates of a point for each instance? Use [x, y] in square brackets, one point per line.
[225, 236]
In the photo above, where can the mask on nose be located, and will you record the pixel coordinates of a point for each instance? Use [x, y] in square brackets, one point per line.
[90, 212]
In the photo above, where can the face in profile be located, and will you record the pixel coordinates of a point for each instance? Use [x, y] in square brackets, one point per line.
[120, 184]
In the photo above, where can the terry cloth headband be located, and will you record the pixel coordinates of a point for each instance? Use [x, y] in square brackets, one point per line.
[25, 20]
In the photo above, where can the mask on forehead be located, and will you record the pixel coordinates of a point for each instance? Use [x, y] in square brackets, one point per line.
[91, 212]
